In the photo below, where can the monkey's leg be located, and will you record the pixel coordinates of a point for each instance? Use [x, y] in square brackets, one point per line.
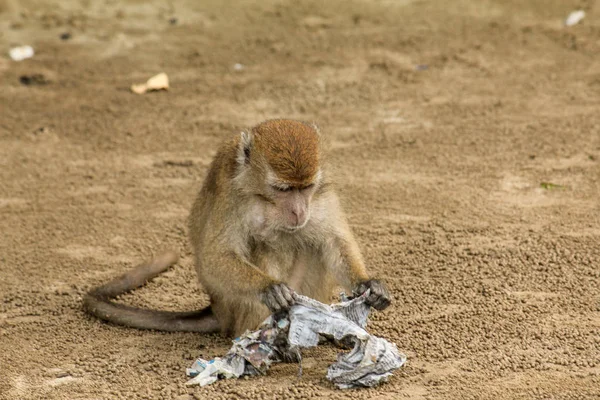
[236, 314]
[319, 284]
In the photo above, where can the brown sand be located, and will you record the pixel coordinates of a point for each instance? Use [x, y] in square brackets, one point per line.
[496, 278]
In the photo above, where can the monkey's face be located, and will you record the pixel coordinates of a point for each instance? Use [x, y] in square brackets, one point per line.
[291, 206]
[278, 162]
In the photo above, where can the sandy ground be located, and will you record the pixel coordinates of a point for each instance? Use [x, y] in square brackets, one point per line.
[447, 123]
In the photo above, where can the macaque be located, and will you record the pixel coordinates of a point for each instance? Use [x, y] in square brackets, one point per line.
[266, 224]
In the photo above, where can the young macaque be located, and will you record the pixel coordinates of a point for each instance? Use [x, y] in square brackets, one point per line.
[266, 223]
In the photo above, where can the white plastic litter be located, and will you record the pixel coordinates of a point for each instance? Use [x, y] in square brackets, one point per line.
[371, 360]
[21, 53]
[157, 82]
[575, 17]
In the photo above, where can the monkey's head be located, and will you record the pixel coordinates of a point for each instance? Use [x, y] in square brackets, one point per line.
[279, 164]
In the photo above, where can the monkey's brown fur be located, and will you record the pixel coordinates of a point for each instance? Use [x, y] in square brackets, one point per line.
[240, 230]
[290, 148]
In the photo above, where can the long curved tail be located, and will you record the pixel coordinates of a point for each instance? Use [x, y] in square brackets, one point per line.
[98, 302]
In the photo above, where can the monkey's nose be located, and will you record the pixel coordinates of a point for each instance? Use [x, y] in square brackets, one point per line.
[298, 216]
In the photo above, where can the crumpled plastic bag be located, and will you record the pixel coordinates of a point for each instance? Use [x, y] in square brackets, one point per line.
[371, 360]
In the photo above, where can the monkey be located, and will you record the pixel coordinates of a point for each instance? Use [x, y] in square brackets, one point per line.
[265, 225]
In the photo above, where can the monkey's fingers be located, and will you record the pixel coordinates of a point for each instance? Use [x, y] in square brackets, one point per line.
[373, 298]
[278, 297]
[379, 298]
[289, 294]
[271, 302]
[380, 303]
[278, 293]
[360, 289]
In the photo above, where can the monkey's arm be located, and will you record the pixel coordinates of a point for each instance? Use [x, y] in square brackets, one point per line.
[354, 266]
[240, 277]
[228, 269]
[352, 260]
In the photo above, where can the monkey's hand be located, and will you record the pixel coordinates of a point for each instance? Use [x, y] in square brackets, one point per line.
[278, 297]
[379, 297]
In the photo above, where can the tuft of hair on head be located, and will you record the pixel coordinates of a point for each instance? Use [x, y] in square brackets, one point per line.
[290, 148]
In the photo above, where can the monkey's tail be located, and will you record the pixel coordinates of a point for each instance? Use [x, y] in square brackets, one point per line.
[98, 303]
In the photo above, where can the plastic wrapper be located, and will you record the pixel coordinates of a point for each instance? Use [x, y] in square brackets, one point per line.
[281, 336]
[575, 17]
[157, 82]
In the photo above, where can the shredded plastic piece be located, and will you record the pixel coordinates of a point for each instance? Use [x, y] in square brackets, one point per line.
[575, 17]
[371, 360]
[157, 82]
[21, 53]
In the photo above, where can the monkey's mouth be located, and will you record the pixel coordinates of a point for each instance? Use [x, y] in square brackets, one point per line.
[295, 228]
[291, 229]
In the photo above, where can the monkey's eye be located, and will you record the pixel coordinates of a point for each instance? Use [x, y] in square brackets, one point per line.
[282, 189]
[312, 185]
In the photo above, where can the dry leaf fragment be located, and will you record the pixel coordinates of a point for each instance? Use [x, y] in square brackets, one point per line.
[157, 82]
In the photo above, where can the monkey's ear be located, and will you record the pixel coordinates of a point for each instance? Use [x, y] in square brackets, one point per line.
[314, 125]
[245, 147]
